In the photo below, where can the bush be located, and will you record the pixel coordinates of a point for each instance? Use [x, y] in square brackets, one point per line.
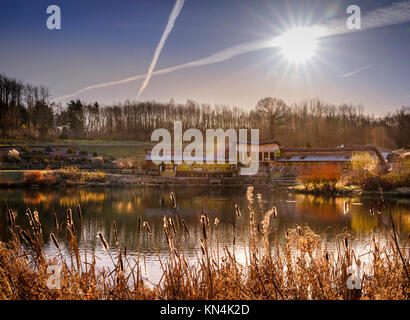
[13, 156]
[321, 178]
[126, 163]
[57, 157]
[83, 153]
[33, 177]
[70, 151]
[366, 174]
[74, 174]
[99, 161]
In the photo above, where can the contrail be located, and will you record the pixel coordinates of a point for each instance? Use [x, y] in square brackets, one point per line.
[174, 14]
[396, 13]
[354, 72]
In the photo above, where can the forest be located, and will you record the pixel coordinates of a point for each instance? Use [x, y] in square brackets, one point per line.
[28, 112]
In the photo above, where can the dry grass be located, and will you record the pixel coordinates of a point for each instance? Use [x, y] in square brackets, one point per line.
[323, 179]
[300, 268]
[75, 175]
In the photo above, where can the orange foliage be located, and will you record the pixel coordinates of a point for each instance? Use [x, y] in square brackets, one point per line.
[321, 177]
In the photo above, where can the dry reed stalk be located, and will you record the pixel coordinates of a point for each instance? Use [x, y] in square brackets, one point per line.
[147, 228]
[114, 225]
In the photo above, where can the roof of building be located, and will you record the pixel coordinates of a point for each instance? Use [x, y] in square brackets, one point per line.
[326, 154]
[261, 143]
[317, 157]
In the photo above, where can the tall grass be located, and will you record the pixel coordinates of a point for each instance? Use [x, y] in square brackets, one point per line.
[300, 268]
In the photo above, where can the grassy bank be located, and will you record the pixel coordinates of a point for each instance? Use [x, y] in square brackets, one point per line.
[300, 268]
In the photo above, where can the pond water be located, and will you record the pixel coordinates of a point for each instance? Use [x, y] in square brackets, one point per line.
[102, 206]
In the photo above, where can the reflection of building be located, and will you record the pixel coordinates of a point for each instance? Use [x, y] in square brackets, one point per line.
[272, 157]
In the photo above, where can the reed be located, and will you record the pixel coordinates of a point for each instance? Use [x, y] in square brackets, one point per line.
[301, 267]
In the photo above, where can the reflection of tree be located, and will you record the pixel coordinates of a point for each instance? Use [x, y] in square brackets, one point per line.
[362, 222]
[33, 198]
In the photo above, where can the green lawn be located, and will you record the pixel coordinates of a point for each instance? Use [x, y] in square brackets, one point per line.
[105, 148]
[13, 175]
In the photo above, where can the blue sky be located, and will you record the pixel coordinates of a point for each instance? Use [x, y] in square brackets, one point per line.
[113, 39]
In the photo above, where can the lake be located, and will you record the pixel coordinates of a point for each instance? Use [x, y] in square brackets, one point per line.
[101, 206]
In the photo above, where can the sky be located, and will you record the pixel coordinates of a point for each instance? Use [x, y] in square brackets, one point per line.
[103, 41]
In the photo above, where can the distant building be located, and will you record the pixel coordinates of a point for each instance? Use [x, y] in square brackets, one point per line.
[310, 157]
[272, 157]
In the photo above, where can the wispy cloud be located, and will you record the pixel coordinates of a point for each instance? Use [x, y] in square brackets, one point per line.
[394, 14]
[354, 72]
[174, 15]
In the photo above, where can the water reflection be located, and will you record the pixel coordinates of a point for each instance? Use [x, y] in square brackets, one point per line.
[101, 206]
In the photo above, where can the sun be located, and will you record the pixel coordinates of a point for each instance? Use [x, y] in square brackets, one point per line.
[299, 45]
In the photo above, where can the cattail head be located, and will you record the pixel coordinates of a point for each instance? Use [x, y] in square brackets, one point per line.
[345, 207]
[103, 241]
[139, 223]
[203, 227]
[275, 213]
[379, 207]
[54, 239]
[37, 222]
[346, 243]
[70, 221]
[120, 262]
[299, 230]
[371, 209]
[286, 233]
[237, 211]
[327, 256]
[171, 222]
[206, 217]
[80, 214]
[147, 228]
[173, 201]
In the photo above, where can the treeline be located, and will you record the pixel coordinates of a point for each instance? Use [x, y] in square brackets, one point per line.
[26, 111]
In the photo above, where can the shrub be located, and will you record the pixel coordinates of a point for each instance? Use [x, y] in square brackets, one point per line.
[321, 178]
[126, 163]
[83, 153]
[57, 157]
[365, 173]
[70, 151]
[13, 156]
[99, 161]
[33, 177]
[70, 173]
[74, 174]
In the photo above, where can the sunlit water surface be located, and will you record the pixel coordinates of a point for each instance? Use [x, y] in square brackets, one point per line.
[102, 206]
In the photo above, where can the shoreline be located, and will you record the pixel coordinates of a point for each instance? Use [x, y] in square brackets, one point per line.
[352, 191]
[287, 184]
